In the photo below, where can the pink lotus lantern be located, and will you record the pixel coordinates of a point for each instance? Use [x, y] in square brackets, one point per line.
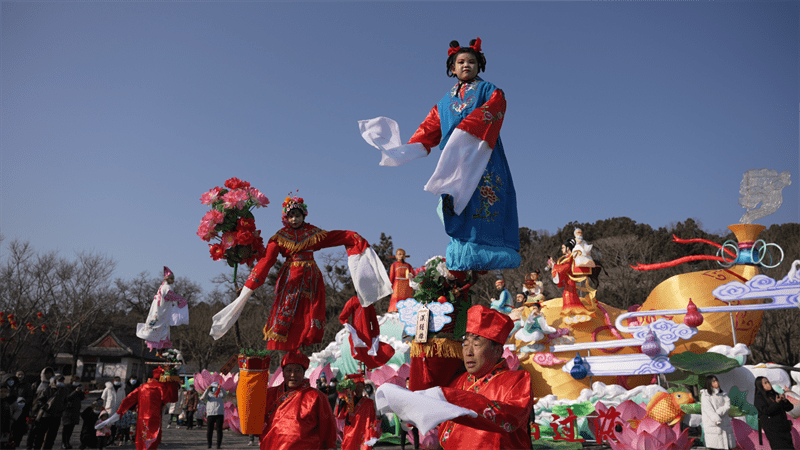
[747, 438]
[231, 419]
[386, 374]
[511, 359]
[651, 434]
[204, 379]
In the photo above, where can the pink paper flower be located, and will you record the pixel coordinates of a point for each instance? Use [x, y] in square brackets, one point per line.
[258, 197]
[235, 199]
[511, 359]
[228, 239]
[206, 231]
[210, 196]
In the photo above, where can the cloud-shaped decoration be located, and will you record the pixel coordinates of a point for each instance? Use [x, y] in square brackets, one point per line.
[738, 352]
[610, 395]
[656, 365]
[408, 314]
[547, 359]
[785, 290]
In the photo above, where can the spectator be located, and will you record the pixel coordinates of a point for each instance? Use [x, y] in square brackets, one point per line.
[72, 412]
[214, 395]
[48, 409]
[90, 417]
[175, 408]
[190, 406]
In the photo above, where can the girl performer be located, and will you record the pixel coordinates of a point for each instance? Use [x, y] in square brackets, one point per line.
[298, 311]
[479, 204]
[168, 309]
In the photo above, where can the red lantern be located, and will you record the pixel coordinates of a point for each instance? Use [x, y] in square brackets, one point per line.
[442, 299]
[44, 327]
[39, 315]
[10, 316]
[2, 314]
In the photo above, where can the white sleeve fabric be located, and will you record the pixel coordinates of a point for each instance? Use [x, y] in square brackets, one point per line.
[369, 277]
[110, 421]
[424, 409]
[383, 133]
[460, 168]
[224, 320]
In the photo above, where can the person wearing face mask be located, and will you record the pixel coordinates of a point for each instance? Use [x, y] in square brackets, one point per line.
[112, 396]
[36, 427]
[72, 413]
[128, 419]
[47, 410]
[90, 416]
[19, 423]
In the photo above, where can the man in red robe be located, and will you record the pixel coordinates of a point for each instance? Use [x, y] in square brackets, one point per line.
[360, 423]
[501, 397]
[365, 345]
[298, 416]
[150, 398]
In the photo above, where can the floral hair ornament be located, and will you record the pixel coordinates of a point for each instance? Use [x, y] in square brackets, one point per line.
[293, 202]
[477, 47]
[167, 272]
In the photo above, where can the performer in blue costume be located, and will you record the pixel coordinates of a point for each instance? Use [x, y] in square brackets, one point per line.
[479, 203]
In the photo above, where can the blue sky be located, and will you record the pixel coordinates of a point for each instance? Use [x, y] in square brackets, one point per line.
[117, 116]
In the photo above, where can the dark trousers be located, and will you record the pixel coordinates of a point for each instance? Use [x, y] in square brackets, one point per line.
[66, 434]
[214, 422]
[190, 419]
[47, 435]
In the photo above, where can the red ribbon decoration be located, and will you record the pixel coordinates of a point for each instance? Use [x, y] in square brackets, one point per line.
[477, 47]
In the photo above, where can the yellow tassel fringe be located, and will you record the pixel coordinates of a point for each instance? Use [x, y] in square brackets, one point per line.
[441, 347]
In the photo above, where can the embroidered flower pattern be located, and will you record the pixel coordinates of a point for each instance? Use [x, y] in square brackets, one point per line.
[487, 116]
[467, 95]
[488, 191]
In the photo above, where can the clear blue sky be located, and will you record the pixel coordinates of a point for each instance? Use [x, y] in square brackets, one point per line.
[117, 116]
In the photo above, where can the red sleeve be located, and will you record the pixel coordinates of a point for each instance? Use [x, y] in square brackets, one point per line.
[129, 401]
[429, 132]
[259, 274]
[372, 318]
[392, 273]
[485, 122]
[562, 270]
[349, 308]
[510, 411]
[327, 424]
[352, 241]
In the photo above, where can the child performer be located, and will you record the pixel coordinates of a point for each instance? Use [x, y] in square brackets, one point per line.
[479, 203]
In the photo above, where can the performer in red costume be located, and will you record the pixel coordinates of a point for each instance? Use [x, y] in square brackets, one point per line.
[298, 311]
[365, 345]
[399, 274]
[298, 417]
[360, 423]
[149, 399]
[565, 274]
[501, 397]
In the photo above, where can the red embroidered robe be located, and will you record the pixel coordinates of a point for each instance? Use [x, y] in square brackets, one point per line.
[502, 399]
[360, 426]
[365, 321]
[150, 399]
[298, 311]
[399, 274]
[299, 419]
[568, 273]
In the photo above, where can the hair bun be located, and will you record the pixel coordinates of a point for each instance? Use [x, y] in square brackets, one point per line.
[472, 42]
[454, 44]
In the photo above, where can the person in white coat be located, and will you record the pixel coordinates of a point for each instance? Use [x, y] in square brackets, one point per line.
[175, 408]
[112, 396]
[214, 395]
[715, 405]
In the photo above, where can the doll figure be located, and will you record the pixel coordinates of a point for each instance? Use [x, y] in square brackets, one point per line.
[567, 274]
[479, 204]
[533, 288]
[533, 330]
[582, 250]
[168, 309]
[399, 274]
[503, 303]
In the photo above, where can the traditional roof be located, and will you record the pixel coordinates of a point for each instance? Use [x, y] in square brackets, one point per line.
[109, 344]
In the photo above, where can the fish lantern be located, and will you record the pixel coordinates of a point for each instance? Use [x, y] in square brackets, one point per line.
[578, 370]
[693, 318]
[650, 346]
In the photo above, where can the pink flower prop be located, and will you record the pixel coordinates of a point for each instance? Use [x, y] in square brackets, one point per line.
[235, 199]
[315, 374]
[231, 419]
[747, 438]
[204, 379]
[258, 197]
[630, 410]
[651, 435]
[210, 196]
[276, 378]
[228, 239]
[429, 441]
[511, 359]
[206, 231]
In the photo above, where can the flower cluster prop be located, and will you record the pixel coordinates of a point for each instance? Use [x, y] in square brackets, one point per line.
[174, 359]
[648, 434]
[231, 222]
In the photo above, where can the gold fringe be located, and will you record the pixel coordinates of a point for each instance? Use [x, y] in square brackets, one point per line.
[441, 347]
[294, 247]
[302, 263]
[271, 335]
